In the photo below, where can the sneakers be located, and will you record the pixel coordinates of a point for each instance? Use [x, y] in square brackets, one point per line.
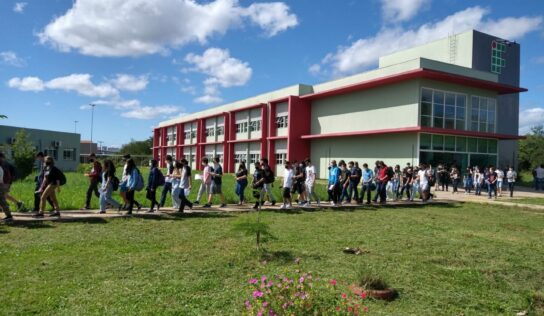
[273, 203]
[38, 215]
[196, 202]
[223, 205]
[256, 206]
[151, 211]
[283, 207]
[7, 220]
[55, 214]
[207, 205]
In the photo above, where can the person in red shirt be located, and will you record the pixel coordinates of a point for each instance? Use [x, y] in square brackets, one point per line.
[94, 177]
[382, 179]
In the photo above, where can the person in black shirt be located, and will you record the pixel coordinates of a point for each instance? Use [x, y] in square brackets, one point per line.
[52, 178]
[241, 182]
[299, 179]
[268, 180]
[168, 180]
[258, 185]
[217, 175]
[39, 179]
[406, 182]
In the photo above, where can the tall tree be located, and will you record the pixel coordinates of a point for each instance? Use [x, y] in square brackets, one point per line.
[24, 154]
[531, 149]
[138, 147]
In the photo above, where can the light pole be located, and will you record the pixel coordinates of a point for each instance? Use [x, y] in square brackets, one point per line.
[100, 150]
[75, 126]
[92, 123]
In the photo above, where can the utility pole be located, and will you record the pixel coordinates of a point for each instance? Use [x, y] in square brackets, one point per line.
[92, 123]
[75, 126]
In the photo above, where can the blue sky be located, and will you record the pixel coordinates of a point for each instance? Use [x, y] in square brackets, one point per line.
[144, 61]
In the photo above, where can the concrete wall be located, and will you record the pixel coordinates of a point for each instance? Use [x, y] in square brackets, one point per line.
[52, 142]
[392, 149]
[392, 106]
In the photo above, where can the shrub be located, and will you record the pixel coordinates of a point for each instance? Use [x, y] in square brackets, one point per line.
[24, 154]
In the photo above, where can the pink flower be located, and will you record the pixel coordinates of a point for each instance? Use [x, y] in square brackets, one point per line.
[271, 313]
[248, 305]
[344, 295]
[365, 309]
[301, 280]
[260, 313]
[257, 293]
[284, 306]
[332, 282]
[265, 304]
[337, 308]
[350, 309]
[252, 281]
[363, 295]
[269, 284]
[263, 278]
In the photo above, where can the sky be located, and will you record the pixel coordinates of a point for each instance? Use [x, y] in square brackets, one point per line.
[144, 61]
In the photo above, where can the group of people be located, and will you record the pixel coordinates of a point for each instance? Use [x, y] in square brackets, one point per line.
[347, 183]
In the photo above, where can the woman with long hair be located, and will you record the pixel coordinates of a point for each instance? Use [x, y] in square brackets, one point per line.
[50, 184]
[132, 180]
[241, 182]
[108, 176]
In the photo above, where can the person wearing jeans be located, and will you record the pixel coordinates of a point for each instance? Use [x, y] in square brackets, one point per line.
[241, 182]
[268, 180]
[310, 183]
[167, 180]
[334, 183]
[492, 182]
[383, 179]
[107, 187]
[3, 203]
[511, 176]
[94, 176]
[184, 184]
[132, 174]
[367, 175]
[539, 176]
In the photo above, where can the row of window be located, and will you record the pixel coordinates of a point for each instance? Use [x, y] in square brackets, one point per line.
[281, 121]
[457, 144]
[281, 158]
[253, 126]
[443, 109]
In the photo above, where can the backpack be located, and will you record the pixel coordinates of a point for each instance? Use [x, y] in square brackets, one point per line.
[160, 178]
[62, 178]
[115, 183]
[390, 172]
[7, 175]
[139, 181]
[270, 176]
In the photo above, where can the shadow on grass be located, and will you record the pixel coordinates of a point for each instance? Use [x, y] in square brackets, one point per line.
[32, 224]
[179, 216]
[278, 256]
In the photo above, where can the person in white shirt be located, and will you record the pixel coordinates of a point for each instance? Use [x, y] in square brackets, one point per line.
[287, 185]
[310, 184]
[511, 176]
[500, 178]
[539, 177]
[3, 203]
[424, 186]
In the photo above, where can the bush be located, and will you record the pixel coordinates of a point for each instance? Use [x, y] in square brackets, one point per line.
[24, 154]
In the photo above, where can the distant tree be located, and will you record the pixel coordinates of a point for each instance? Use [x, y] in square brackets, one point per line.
[3, 116]
[24, 154]
[531, 149]
[138, 147]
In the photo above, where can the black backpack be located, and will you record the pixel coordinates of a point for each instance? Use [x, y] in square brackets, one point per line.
[115, 183]
[390, 172]
[62, 178]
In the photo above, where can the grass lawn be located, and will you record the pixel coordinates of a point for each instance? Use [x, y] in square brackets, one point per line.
[467, 259]
[533, 201]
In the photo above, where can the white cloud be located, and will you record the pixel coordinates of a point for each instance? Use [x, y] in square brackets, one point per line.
[19, 7]
[529, 118]
[81, 83]
[363, 53]
[402, 10]
[11, 58]
[141, 27]
[151, 112]
[315, 69]
[272, 17]
[26, 84]
[208, 99]
[222, 71]
[538, 60]
[130, 83]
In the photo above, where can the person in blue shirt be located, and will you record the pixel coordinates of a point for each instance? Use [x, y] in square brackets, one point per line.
[334, 183]
[367, 175]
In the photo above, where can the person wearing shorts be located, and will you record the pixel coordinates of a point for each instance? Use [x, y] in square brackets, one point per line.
[287, 185]
[205, 185]
[217, 175]
[310, 184]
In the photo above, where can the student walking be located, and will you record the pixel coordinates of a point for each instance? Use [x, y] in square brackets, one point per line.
[310, 183]
[406, 182]
[132, 179]
[367, 176]
[154, 180]
[206, 184]
[10, 175]
[215, 188]
[94, 178]
[39, 180]
[382, 179]
[299, 178]
[511, 176]
[241, 182]
[184, 184]
[176, 177]
[415, 184]
[334, 183]
[424, 185]
[3, 203]
[344, 181]
[500, 179]
[268, 180]
[287, 186]
[106, 190]
[467, 180]
[123, 186]
[167, 180]
[258, 185]
[52, 181]
[454, 175]
[492, 182]
[478, 180]
[356, 174]
[539, 177]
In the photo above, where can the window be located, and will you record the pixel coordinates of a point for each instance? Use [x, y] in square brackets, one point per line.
[428, 142]
[281, 159]
[442, 109]
[193, 158]
[238, 158]
[483, 114]
[253, 158]
[187, 157]
[171, 135]
[220, 130]
[193, 133]
[187, 135]
[281, 121]
[241, 127]
[255, 126]
[425, 141]
[69, 154]
[210, 131]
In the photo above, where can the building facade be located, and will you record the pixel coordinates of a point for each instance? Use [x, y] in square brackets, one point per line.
[63, 147]
[452, 101]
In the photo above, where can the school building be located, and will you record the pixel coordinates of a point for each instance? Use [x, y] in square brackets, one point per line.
[452, 101]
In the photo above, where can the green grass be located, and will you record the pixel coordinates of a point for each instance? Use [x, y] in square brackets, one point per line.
[73, 194]
[532, 201]
[444, 260]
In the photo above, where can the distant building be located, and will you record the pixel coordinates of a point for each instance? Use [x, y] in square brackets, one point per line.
[108, 150]
[62, 146]
[86, 148]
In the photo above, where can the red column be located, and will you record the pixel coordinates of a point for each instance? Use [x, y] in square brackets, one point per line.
[227, 154]
[297, 148]
[179, 141]
[272, 131]
[199, 140]
[264, 130]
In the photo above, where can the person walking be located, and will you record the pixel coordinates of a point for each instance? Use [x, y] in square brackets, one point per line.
[205, 185]
[38, 181]
[215, 188]
[299, 178]
[344, 181]
[132, 179]
[424, 185]
[268, 180]
[539, 176]
[51, 183]
[334, 189]
[241, 182]
[94, 178]
[478, 180]
[3, 203]
[310, 184]
[492, 182]
[123, 186]
[406, 182]
[454, 175]
[258, 185]
[415, 184]
[287, 186]
[367, 175]
[511, 176]
[467, 180]
[10, 175]
[354, 179]
[106, 190]
[154, 180]
[184, 184]
[176, 178]
[167, 180]
[500, 179]
[383, 178]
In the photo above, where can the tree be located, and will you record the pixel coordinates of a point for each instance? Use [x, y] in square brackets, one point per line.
[531, 149]
[3, 116]
[142, 147]
[24, 153]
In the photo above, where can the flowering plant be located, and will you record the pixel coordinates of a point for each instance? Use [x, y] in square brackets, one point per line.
[301, 294]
